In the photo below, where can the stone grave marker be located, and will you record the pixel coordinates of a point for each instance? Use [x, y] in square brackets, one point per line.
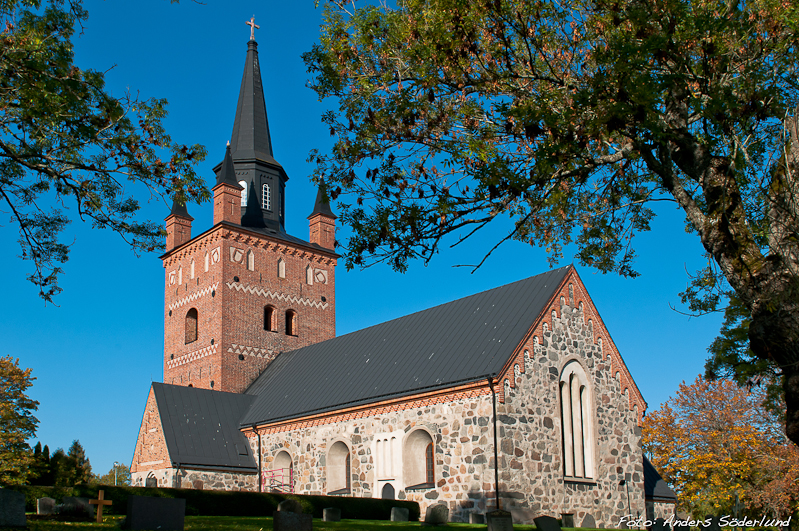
[164, 514]
[546, 523]
[714, 523]
[76, 507]
[399, 514]
[289, 517]
[331, 514]
[436, 514]
[567, 519]
[660, 525]
[589, 522]
[100, 503]
[45, 506]
[12, 509]
[499, 521]
[290, 505]
[476, 518]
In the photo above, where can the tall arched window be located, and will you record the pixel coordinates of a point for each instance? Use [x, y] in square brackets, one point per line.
[243, 185]
[269, 318]
[338, 469]
[291, 323]
[266, 197]
[418, 460]
[280, 477]
[191, 326]
[577, 424]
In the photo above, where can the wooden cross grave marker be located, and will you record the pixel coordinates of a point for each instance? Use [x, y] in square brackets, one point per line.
[100, 502]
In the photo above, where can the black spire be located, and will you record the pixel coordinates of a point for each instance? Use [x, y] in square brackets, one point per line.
[250, 139]
[252, 216]
[227, 174]
[322, 205]
[179, 209]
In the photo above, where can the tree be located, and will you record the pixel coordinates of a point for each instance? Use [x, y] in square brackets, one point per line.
[572, 119]
[67, 145]
[714, 441]
[17, 420]
[119, 475]
[80, 463]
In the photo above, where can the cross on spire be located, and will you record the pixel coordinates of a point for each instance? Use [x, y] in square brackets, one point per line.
[253, 26]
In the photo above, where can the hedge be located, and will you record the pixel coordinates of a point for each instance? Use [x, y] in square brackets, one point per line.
[225, 503]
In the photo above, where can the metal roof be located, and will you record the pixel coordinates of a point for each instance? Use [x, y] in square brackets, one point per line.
[464, 340]
[655, 488]
[201, 427]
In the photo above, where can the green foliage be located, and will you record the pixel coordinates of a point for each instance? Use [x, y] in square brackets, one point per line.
[67, 145]
[119, 475]
[17, 421]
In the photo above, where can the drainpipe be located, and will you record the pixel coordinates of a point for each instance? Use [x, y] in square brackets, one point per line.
[260, 464]
[496, 462]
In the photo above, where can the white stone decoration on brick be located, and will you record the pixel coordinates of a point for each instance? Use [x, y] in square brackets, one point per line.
[320, 276]
[191, 356]
[216, 253]
[255, 290]
[237, 255]
[250, 351]
[194, 296]
[173, 276]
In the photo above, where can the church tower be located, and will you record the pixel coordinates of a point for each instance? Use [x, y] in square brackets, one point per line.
[245, 290]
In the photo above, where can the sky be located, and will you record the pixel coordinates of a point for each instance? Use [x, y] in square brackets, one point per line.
[95, 353]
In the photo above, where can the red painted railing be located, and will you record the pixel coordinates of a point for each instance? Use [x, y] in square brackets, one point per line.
[278, 480]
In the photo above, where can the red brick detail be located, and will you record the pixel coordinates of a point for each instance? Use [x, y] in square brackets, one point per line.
[590, 312]
[227, 203]
[323, 231]
[151, 452]
[453, 394]
[178, 231]
[232, 346]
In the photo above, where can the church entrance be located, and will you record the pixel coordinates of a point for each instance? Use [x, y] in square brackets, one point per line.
[388, 492]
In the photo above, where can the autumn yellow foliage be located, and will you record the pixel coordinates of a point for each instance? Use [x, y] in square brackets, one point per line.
[715, 442]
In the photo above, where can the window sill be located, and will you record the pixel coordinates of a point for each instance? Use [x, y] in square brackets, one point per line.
[581, 481]
[421, 486]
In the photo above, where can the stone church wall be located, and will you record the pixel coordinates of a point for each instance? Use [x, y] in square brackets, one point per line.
[531, 465]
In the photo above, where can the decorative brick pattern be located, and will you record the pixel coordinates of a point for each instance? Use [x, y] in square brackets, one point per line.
[194, 296]
[251, 351]
[275, 296]
[191, 356]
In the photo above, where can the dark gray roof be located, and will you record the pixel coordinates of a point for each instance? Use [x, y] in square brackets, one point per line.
[322, 205]
[201, 427]
[250, 139]
[655, 488]
[179, 209]
[464, 340]
[227, 173]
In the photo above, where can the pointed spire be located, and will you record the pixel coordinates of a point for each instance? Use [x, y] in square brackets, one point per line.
[250, 138]
[252, 216]
[179, 209]
[227, 174]
[322, 205]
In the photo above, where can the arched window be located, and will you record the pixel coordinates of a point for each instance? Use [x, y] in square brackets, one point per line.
[338, 469]
[291, 323]
[243, 185]
[577, 424]
[280, 477]
[266, 197]
[281, 268]
[191, 326]
[418, 460]
[269, 318]
[250, 260]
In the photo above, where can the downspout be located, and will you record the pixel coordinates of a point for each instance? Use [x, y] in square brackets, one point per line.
[496, 462]
[260, 464]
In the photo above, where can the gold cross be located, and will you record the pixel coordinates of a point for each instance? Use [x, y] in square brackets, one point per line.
[252, 26]
[100, 502]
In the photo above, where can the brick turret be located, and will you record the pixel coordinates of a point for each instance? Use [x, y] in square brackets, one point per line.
[227, 192]
[178, 226]
[322, 222]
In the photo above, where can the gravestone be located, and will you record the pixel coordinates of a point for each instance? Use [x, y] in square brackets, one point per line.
[546, 523]
[399, 514]
[567, 520]
[476, 518]
[436, 514]
[76, 507]
[45, 506]
[287, 521]
[164, 514]
[499, 521]
[714, 523]
[660, 525]
[331, 514]
[12, 508]
[589, 522]
[290, 505]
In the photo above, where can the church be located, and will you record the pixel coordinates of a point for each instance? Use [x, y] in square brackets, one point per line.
[260, 394]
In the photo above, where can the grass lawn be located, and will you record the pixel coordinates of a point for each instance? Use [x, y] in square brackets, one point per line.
[255, 523]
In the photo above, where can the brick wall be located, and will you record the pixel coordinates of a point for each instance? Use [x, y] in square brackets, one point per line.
[150, 455]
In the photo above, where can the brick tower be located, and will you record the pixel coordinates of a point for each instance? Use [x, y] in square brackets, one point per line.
[244, 290]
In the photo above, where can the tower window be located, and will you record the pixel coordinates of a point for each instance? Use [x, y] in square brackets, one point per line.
[269, 318]
[266, 197]
[291, 323]
[191, 326]
[243, 185]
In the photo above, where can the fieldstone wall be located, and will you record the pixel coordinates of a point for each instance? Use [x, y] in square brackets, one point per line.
[656, 509]
[531, 468]
[197, 479]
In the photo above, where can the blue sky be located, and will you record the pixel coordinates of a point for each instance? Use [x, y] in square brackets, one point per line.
[95, 354]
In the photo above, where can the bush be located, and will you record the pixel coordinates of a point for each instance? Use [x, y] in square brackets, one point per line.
[225, 503]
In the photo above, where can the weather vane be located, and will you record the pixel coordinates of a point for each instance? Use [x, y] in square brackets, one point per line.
[252, 26]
